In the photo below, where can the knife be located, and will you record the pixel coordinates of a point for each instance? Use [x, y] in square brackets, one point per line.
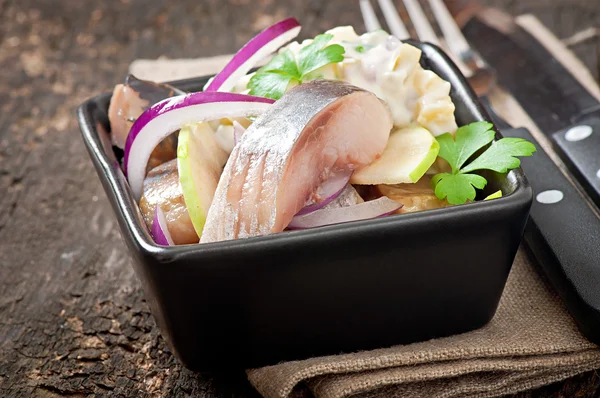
[563, 232]
[555, 100]
[547, 91]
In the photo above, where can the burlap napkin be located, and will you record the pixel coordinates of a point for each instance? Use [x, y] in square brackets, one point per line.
[531, 341]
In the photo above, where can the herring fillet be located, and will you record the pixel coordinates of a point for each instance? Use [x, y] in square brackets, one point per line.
[314, 130]
[162, 188]
[129, 101]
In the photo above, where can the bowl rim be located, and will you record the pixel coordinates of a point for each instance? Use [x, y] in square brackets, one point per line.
[136, 232]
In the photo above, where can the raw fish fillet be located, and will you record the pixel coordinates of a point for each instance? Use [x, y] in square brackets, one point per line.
[129, 101]
[161, 187]
[314, 130]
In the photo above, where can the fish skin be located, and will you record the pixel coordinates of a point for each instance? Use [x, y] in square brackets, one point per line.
[125, 106]
[286, 154]
[166, 150]
[161, 187]
[130, 100]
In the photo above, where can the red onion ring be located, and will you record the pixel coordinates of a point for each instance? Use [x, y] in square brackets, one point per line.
[362, 211]
[260, 46]
[169, 115]
[327, 192]
[159, 231]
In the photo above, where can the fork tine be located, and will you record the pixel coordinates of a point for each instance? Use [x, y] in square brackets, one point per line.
[393, 19]
[371, 21]
[454, 38]
[420, 22]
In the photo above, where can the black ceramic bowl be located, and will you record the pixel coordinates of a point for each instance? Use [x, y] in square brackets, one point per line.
[348, 287]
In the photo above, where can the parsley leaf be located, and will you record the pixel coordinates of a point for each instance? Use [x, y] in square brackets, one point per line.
[459, 186]
[468, 140]
[270, 84]
[501, 155]
[283, 63]
[273, 79]
[316, 55]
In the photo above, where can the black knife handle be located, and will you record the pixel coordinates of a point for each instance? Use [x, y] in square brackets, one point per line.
[563, 234]
[579, 148]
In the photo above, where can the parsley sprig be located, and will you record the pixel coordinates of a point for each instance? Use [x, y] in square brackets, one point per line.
[459, 186]
[272, 80]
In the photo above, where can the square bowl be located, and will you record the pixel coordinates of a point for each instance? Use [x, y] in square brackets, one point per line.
[340, 288]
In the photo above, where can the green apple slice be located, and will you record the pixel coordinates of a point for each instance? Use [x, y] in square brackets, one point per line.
[200, 162]
[409, 153]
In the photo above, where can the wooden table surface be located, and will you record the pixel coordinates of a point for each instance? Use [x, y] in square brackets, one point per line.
[73, 320]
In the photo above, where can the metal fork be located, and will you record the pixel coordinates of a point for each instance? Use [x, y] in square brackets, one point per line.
[479, 74]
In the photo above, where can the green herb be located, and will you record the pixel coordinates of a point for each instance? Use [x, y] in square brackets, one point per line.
[459, 186]
[361, 48]
[272, 80]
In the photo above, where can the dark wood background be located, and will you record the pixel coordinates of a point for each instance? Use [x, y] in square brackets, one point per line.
[73, 320]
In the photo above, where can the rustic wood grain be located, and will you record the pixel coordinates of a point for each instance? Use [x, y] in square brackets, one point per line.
[73, 320]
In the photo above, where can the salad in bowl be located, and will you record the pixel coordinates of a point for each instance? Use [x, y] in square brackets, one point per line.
[333, 129]
[314, 197]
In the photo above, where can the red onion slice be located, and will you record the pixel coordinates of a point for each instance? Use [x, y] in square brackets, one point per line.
[327, 192]
[160, 232]
[348, 197]
[362, 211]
[169, 115]
[238, 131]
[260, 46]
